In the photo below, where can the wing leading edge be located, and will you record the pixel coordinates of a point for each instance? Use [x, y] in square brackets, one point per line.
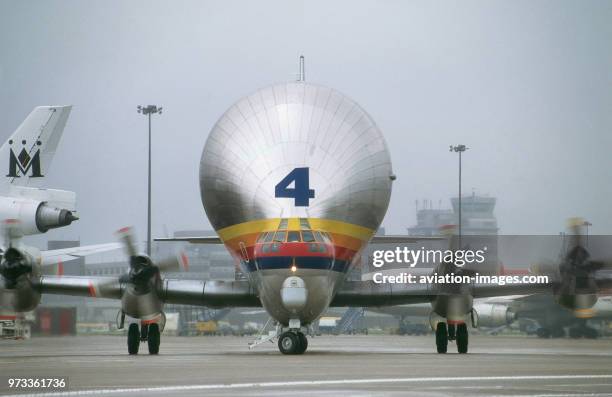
[370, 294]
[187, 292]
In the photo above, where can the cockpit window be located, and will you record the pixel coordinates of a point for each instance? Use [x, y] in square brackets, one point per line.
[293, 237]
[269, 237]
[280, 236]
[308, 236]
[318, 237]
[262, 237]
[304, 224]
[283, 223]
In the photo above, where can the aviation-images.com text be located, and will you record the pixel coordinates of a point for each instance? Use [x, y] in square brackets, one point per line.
[434, 257]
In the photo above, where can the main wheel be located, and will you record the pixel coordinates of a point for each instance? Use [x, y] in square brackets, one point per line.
[133, 340]
[154, 338]
[303, 343]
[462, 338]
[288, 343]
[441, 337]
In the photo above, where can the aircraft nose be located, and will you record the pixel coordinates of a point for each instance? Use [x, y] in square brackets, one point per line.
[294, 293]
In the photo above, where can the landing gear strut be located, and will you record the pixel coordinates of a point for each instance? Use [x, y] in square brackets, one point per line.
[451, 331]
[291, 342]
[144, 332]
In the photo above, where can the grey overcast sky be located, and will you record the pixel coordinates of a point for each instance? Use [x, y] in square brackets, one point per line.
[527, 85]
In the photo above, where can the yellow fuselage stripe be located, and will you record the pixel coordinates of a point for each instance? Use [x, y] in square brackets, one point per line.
[343, 234]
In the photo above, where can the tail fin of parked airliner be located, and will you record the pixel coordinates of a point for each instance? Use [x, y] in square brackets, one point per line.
[26, 156]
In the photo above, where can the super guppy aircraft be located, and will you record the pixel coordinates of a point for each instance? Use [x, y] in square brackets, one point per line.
[295, 178]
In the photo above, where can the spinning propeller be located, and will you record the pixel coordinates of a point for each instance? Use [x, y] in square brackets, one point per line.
[143, 273]
[576, 269]
[14, 263]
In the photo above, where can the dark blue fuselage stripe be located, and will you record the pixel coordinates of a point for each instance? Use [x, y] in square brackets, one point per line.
[302, 262]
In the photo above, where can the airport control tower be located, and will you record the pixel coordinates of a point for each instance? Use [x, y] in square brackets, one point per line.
[479, 225]
[477, 217]
[430, 219]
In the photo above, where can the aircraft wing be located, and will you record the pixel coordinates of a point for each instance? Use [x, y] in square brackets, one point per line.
[194, 240]
[188, 292]
[370, 294]
[53, 257]
[402, 239]
[95, 287]
[375, 239]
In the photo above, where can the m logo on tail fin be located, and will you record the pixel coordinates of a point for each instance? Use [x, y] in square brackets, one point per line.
[24, 162]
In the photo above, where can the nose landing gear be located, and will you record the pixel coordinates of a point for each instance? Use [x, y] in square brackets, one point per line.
[291, 342]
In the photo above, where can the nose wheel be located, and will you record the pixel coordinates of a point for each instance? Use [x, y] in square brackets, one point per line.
[292, 342]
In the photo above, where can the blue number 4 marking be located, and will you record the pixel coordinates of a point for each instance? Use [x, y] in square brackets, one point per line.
[301, 191]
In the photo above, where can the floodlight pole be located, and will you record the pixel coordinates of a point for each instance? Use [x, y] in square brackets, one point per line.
[459, 149]
[586, 224]
[148, 111]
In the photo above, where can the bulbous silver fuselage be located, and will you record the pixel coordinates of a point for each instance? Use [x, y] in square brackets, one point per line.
[295, 178]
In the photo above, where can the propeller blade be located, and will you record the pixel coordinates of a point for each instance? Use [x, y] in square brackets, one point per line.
[177, 263]
[126, 237]
[12, 232]
[575, 233]
[543, 267]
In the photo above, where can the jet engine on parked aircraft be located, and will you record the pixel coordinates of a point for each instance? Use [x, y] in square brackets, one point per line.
[34, 216]
[494, 314]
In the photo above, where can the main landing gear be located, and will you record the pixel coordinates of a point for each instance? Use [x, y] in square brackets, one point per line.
[458, 332]
[291, 342]
[147, 333]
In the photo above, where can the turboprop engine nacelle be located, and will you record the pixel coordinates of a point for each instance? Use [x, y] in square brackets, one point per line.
[494, 315]
[34, 216]
[581, 304]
